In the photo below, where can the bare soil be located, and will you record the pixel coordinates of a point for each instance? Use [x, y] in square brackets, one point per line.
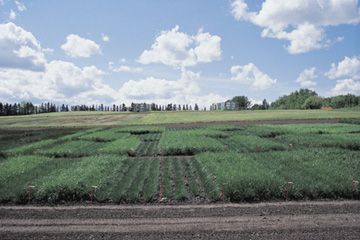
[286, 220]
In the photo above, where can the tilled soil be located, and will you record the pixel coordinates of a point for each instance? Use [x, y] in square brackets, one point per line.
[287, 220]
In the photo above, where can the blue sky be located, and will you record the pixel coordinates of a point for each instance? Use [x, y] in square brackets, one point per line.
[181, 52]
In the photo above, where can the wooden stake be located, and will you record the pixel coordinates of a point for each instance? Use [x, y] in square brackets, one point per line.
[29, 193]
[160, 194]
[287, 191]
[223, 192]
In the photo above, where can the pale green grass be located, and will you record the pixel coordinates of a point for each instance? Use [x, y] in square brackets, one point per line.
[95, 119]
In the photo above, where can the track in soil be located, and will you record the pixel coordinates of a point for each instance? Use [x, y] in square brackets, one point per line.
[289, 220]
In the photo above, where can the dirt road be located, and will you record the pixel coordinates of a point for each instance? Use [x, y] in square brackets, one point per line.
[291, 220]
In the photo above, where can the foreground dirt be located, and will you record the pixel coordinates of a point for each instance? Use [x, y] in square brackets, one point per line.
[288, 220]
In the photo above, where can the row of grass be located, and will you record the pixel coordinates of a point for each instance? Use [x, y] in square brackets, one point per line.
[316, 173]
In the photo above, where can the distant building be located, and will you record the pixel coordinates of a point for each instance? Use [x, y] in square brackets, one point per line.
[229, 106]
[140, 107]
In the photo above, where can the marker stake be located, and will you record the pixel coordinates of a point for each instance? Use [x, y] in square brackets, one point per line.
[287, 191]
[30, 192]
[223, 192]
[160, 194]
[92, 186]
[353, 187]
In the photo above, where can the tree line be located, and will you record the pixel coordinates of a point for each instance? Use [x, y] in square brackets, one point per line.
[309, 99]
[26, 108]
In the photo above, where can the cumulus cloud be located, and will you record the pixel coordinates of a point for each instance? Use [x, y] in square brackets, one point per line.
[20, 49]
[250, 75]
[105, 37]
[179, 49]
[184, 90]
[60, 82]
[349, 67]
[306, 76]
[301, 22]
[76, 46]
[125, 68]
[346, 86]
[155, 88]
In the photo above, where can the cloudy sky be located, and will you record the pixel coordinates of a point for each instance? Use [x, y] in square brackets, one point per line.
[91, 52]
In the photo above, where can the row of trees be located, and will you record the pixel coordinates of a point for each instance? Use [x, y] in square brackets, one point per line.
[173, 107]
[26, 108]
[308, 99]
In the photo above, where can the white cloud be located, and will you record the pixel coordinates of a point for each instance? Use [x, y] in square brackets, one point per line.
[21, 7]
[179, 49]
[346, 86]
[184, 90]
[250, 75]
[208, 47]
[302, 22]
[105, 37]
[20, 49]
[306, 76]
[304, 38]
[61, 82]
[124, 68]
[349, 67]
[12, 15]
[76, 46]
[155, 88]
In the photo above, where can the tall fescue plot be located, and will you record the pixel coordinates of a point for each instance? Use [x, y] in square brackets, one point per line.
[164, 165]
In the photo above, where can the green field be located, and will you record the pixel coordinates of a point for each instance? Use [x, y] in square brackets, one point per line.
[128, 165]
[94, 119]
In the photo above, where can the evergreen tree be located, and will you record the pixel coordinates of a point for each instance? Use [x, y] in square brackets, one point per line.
[196, 108]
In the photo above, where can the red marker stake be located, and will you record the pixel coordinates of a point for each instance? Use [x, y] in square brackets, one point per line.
[287, 191]
[223, 192]
[91, 193]
[29, 193]
[160, 194]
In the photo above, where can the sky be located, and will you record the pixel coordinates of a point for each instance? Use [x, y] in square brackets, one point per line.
[180, 52]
